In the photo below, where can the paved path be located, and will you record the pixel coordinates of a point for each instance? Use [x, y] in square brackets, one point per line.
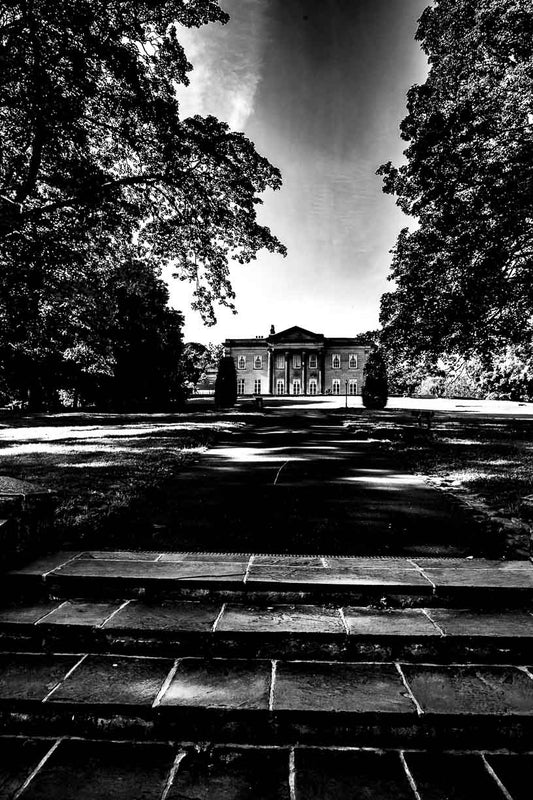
[305, 484]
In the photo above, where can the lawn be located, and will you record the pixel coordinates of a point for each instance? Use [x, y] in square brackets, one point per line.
[110, 472]
[487, 457]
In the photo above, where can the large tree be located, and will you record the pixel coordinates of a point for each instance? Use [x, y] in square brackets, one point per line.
[97, 167]
[463, 273]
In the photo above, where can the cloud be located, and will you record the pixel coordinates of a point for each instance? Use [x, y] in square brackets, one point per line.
[227, 61]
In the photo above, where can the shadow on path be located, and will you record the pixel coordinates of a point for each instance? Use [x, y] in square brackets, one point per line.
[306, 485]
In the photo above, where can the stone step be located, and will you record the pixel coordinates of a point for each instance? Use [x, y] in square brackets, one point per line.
[378, 704]
[316, 579]
[280, 631]
[60, 769]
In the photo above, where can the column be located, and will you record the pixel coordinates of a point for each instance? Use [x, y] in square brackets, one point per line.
[287, 372]
[304, 372]
[271, 364]
[322, 371]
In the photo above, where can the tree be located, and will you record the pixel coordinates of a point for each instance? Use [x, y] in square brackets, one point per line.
[97, 167]
[226, 383]
[463, 276]
[375, 392]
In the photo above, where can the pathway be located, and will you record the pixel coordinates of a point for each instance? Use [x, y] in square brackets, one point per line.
[305, 484]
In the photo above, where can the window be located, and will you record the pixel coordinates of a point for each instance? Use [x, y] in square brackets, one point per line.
[312, 387]
[352, 361]
[336, 361]
[257, 387]
[240, 385]
[352, 387]
[297, 361]
[280, 387]
[296, 387]
[241, 363]
[312, 362]
[280, 362]
[258, 362]
[335, 387]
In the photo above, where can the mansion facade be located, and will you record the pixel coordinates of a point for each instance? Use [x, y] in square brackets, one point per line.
[298, 362]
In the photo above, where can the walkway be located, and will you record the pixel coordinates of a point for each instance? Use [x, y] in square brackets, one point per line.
[306, 484]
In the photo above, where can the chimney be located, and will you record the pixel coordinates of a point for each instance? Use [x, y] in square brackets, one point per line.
[272, 330]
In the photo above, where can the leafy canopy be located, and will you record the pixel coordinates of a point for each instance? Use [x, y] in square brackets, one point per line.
[463, 276]
[91, 139]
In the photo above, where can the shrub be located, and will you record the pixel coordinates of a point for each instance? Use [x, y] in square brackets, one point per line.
[226, 383]
[375, 392]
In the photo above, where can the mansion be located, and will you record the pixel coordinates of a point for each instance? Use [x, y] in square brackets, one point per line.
[298, 362]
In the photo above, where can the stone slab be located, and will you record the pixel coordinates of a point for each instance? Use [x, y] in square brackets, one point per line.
[219, 683]
[341, 577]
[471, 563]
[165, 617]
[153, 571]
[101, 770]
[492, 578]
[289, 561]
[514, 771]
[121, 555]
[361, 563]
[232, 774]
[114, 680]
[280, 619]
[410, 622]
[460, 690]
[487, 624]
[79, 612]
[30, 676]
[18, 758]
[350, 775]
[449, 776]
[41, 566]
[26, 614]
[210, 558]
[338, 687]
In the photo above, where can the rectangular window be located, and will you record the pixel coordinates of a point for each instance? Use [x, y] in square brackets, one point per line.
[240, 386]
[280, 387]
[257, 387]
[335, 387]
[336, 361]
[352, 361]
[312, 362]
[258, 362]
[241, 363]
[280, 362]
[352, 387]
[312, 387]
[296, 387]
[297, 361]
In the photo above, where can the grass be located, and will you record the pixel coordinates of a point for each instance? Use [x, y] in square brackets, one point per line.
[491, 458]
[110, 473]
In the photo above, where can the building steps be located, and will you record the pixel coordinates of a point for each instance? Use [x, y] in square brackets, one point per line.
[175, 672]
[355, 581]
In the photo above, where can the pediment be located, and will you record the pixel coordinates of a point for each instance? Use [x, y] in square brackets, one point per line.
[295, 334]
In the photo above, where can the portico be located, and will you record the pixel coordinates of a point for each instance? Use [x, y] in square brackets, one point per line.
[298, 362]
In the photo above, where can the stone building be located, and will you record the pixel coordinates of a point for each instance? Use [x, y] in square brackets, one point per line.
[298, 362]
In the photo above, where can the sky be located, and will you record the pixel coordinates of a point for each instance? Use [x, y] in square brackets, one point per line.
[320, 87]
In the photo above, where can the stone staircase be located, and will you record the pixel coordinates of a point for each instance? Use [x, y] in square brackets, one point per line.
[231, 676]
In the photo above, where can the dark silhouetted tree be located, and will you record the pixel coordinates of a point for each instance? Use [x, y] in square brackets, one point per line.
[463, 275]
[97, 167]
[375, 391]
[226, 383]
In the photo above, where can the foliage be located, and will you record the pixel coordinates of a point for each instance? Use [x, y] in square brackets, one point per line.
[226, 383]
[197, 358]
[375, 391]
[462, 277]
[98, 171]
